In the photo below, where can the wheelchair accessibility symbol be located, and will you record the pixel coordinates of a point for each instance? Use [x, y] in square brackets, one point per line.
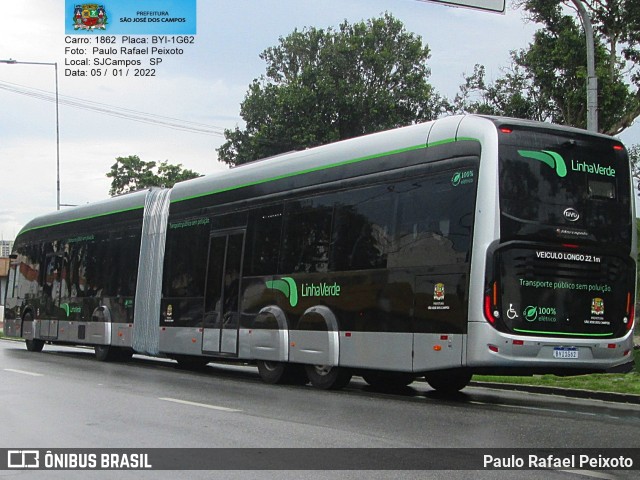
[511, 313]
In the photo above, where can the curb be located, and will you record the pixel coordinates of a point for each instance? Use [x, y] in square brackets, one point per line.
[564, 392]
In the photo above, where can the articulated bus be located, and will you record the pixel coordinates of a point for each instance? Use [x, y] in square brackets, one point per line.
[464, 245]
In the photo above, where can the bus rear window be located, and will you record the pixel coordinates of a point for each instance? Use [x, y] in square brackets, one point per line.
[563, 186]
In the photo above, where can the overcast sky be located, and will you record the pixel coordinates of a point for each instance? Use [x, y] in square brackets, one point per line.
[205, 85]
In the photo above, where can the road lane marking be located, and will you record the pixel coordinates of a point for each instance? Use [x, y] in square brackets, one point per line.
[552, 410]
[520, 407]
[23, 372]
[591, 473]
[202, 405]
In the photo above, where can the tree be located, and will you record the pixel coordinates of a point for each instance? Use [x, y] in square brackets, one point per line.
[323, 85]
[634, 159]
[130, 173]
[547, 81]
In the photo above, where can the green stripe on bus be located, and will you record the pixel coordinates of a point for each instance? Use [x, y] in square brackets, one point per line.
[91, 217]
[267, 180]
[302, 172]
[327, 167]
[564, 333]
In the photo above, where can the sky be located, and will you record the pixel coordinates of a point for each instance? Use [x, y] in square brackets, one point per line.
[205, 86]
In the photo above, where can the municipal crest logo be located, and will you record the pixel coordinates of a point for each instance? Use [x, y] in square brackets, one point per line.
[597, 306]
[438, 291]
[89, 16]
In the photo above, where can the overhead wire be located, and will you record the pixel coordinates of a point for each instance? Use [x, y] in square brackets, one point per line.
[110, 110]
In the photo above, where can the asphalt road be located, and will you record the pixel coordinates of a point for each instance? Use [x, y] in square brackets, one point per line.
[64, 398]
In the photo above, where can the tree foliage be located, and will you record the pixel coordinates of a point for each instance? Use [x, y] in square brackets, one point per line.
[130, 173]
[323, 85]
[547, 81]
[634, 159]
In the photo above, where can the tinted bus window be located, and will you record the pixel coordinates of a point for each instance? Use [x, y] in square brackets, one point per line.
[421, 222]
[363, 225]
[185, 258]
[434, 218]
[578, 183]
[263, 243]
[307, 235]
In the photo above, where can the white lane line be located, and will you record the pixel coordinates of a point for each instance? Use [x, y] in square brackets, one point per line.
[591, 473]
[202, 405]
[521, 407]
[23, 372]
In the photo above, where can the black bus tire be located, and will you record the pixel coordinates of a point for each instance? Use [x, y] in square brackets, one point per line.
[124, 354]
[191, 362]
[105, 353]
[448, 382]
[388, 380]
[281, 373]
[34, 345]
[328, 378]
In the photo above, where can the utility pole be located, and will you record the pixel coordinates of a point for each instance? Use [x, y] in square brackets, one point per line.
[11, 61]
[592, 79]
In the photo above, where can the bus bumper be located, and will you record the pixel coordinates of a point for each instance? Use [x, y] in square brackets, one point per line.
[492, 352]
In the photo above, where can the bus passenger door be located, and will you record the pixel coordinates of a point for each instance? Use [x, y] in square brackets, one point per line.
[52, 290]
[222, 293]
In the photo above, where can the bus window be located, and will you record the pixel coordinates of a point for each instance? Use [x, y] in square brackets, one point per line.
[307, 236]
[263, 244]
[186, 253]
[362, 229]
[570, 181]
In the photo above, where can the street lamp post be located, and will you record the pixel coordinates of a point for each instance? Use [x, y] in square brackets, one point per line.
[55, 65]
[592, 79]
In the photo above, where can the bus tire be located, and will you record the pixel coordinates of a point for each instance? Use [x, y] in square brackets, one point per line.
[124, 354]
[281, 373]
[105, 353]
[34, 345]
[388, 380]
[448, 382]
[191, 362]
[328, 378]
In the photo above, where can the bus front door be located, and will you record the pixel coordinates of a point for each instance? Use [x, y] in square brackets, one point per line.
[52, 290]
[222, 293]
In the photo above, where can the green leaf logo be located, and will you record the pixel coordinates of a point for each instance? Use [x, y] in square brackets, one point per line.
[553, 159]
[455, 180]
[287, 286]
[530, 313]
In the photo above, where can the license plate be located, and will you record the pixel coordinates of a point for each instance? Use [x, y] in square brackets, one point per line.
[565, 352]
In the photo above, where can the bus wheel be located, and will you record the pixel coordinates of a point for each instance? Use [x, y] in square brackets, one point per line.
[282, 373]
[386, 380]
[35, 345]
[448, 382]
[191, 362]
[124, 354]
[105, 353]
[328, 378]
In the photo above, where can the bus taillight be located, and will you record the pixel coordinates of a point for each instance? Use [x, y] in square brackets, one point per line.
[631, 310]
[488, 310]
[490, 301]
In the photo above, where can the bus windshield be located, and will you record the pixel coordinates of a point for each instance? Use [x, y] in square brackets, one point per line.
[568, 186]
